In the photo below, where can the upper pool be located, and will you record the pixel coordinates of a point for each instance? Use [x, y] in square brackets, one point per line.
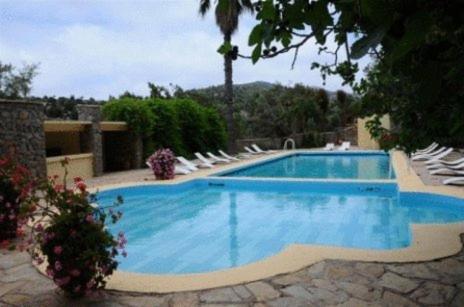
[367, 166]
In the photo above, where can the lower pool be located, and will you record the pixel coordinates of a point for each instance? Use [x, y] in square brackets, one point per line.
[210, 224]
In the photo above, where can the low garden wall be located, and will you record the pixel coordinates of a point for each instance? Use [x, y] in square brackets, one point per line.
[80, 165]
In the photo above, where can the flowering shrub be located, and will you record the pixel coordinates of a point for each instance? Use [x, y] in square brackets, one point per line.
[71, 234]
[162, 164]
[15, 200]
[67, 229]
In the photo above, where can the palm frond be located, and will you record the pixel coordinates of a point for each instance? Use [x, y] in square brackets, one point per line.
[205, 5]
[247, 5]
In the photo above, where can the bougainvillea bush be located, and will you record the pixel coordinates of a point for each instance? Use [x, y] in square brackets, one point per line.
[162, 164]
[15, 200]
[66, 229]
[72, 236]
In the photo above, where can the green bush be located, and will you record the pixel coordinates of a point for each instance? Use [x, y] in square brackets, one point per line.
[312, 139]
[216, 136]
[166, 130]
[135, 112]
[182, 125]
[192, 124]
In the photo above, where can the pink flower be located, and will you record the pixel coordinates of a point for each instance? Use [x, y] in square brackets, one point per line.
[75, 273]
[90, 284]
[89, 218]
[50, 271]
[81, 186]
[58, 266]
[58, 250]
[62, 281]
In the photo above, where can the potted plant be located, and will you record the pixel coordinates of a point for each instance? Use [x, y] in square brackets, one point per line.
[162, 164]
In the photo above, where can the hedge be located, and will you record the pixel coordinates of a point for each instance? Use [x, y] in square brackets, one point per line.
[183, 125]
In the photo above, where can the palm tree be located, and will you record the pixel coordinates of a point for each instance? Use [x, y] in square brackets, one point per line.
[227, 15]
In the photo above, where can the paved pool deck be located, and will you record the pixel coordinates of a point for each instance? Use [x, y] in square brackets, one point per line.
[430, 271]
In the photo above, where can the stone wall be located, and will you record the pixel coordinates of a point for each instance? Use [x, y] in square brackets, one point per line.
[343, 134]
[21, 130]
[91, 140]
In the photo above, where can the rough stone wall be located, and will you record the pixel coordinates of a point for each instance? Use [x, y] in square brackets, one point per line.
[137, 150]
[21, 129]
[92, 137]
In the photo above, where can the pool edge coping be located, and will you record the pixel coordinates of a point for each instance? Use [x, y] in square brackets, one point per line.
[429, 242]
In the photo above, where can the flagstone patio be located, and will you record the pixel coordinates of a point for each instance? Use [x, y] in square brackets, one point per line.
[327, 283]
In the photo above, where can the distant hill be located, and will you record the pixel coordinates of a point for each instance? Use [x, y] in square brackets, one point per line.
[253, 86]
[250, 87]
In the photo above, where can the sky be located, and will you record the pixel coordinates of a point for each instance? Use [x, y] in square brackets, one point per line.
[101, 48]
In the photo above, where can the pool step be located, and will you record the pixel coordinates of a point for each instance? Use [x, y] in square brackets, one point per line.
[216, 184]
[369, 189]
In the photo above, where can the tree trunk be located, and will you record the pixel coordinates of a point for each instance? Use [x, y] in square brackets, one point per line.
[229, 99]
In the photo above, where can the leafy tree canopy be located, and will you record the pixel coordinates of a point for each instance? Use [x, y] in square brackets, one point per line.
[419, 43]
[16, 83]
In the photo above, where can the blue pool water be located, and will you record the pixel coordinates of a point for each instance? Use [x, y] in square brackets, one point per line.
[327, 165]
[212, 224]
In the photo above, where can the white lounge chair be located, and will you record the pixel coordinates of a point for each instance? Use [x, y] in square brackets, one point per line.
[329, 146]
[178, 170]
[455, 180]
[426, 150]
[258, 149]
[449, 169]
[225, 155]
[188, 164]
[217, 159]
[248, 149]
[441, 163]
[429, 156]
[438, 157]
[344, 146]
[205, 162]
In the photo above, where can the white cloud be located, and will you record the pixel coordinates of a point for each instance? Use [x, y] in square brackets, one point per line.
[104, 48]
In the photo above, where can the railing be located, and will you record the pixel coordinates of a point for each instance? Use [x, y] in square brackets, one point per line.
[291, 141]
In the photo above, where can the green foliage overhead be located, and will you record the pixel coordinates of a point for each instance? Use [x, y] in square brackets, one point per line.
[419, 45]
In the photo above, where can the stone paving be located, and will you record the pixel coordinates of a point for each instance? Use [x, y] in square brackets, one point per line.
[424, 174]
[327, 283]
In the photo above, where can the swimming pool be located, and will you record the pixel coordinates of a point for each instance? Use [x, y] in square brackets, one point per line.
[369, 166]
[212, 224]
